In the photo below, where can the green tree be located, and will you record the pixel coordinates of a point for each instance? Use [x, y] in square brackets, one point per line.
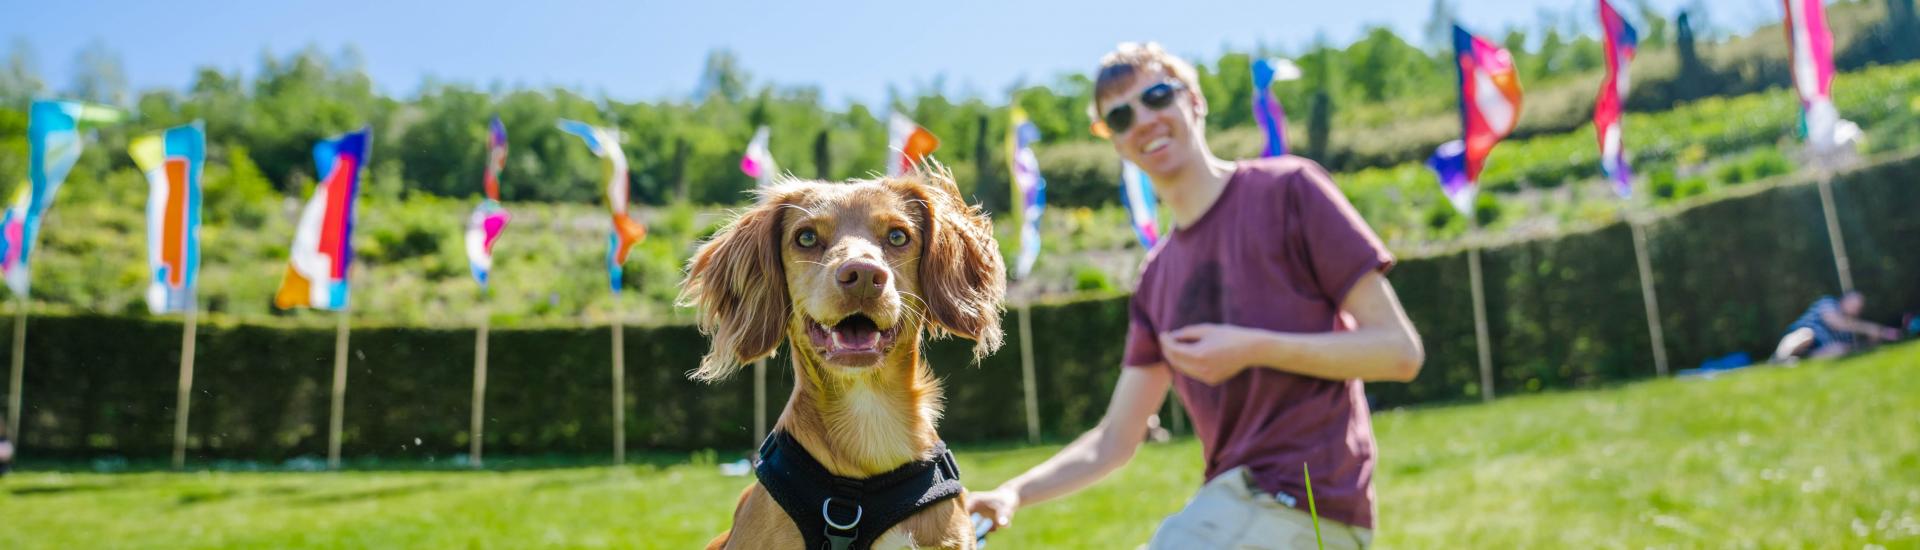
[100, 77]
[19, 80]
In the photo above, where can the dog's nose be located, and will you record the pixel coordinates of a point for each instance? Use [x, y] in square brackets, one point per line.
[863, 278]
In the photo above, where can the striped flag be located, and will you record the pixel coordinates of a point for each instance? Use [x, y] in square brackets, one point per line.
[53, 146]
[1489, 105]
[1136, 190]
[1029, 189]
[322, 252]
[626, 232]
[758, 162]
[1620, 40]
[489, 218]
[1812, 56]
[907, 144]
[1266, 108]
[173, 160]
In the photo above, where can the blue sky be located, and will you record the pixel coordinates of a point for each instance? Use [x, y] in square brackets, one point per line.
[851, 50]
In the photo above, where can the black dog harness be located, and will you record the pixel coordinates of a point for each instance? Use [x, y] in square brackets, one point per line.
[838, 513]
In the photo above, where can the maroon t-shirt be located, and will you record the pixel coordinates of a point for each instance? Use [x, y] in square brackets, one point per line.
[1277, 251]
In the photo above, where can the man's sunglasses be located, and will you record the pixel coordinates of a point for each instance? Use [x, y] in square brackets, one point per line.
[1155, 97]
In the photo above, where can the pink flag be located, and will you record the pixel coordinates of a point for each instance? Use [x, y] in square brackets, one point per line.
[1621, 41]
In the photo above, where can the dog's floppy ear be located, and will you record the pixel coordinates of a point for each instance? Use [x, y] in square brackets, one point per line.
[740, 287]
[961, 274]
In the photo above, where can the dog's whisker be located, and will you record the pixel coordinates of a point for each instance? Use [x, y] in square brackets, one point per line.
[919, 313]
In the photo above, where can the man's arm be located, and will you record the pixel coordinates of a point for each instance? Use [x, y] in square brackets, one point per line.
[1862, 327]
[1138, 394]
[1383, 345]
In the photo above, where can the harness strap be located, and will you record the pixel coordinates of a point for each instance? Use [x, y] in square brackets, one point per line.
[839, 513]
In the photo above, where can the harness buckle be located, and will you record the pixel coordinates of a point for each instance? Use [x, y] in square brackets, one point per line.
[945, 462]
[826, 512]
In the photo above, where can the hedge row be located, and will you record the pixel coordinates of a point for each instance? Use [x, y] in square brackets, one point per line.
[1564, 313]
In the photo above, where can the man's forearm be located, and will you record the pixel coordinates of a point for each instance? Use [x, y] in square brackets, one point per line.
[1867, 328]
[1080, 464]
[1366, 354]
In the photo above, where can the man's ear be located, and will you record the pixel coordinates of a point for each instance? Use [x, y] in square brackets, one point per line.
[739, 285]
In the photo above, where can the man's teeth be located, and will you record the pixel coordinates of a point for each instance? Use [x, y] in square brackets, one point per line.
[1158, 144]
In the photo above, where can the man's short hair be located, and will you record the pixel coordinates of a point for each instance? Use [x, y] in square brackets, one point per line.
[1118, 68]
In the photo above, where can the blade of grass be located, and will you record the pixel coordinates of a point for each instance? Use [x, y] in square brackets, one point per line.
[1311, 509]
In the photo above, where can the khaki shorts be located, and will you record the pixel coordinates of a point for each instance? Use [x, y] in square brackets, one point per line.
[1231, 513]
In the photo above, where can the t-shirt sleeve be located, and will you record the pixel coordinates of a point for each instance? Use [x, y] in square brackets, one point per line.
[1339, 245]
[1143, 342]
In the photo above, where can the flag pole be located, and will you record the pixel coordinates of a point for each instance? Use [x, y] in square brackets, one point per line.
[1480, 316]
[1834, 239]
[1655, 333]
[759, 402]
[339, 390]
[619, 383]
[477, 431]
[19, 365]
[183, 403]
[1026, 373]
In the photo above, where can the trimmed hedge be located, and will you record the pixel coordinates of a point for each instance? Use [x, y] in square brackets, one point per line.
[1564, 313]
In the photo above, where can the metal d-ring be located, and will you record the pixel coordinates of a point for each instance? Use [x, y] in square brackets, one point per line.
[826, 507]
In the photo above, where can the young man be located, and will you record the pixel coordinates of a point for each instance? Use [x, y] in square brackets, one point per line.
[1828, 328]
[1266, 307]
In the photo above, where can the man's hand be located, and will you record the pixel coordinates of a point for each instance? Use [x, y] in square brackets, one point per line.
[1211, 353]
[998, 505]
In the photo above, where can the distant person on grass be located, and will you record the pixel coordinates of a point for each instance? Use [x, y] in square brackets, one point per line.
[1266, 306]
[1828, 329]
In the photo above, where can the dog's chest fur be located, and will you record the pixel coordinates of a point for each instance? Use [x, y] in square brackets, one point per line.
[870, 420]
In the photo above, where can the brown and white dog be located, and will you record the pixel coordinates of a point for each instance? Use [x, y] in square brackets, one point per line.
[851, 274]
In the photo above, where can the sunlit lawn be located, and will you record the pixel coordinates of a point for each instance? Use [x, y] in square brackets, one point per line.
[1822, 455]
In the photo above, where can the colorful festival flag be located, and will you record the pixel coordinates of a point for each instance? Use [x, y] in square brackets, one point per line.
[1449, 162]
[1812, 57]
[483, 229]
[173, 160]
[489, 218]
[616, 263]
[496, 156]
[613, 162]
[1136, 190]
[1489, 96]
[53, 146]
[1621, 41]
[322, 252]
[758, 162]
[1029, 189]
[1489, 104]
[907, 144]
[1266, 108]
[13, 234]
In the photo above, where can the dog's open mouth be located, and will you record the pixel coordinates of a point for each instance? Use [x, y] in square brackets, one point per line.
[854, 341]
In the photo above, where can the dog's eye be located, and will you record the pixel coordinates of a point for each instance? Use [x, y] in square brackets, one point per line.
[897, 237]
[807, 238]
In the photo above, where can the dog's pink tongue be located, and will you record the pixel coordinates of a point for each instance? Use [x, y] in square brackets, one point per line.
[856, 337]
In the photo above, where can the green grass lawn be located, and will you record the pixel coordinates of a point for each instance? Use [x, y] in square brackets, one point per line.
[1822, 455]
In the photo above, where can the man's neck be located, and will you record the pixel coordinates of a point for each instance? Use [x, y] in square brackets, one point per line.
[1191, 192]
